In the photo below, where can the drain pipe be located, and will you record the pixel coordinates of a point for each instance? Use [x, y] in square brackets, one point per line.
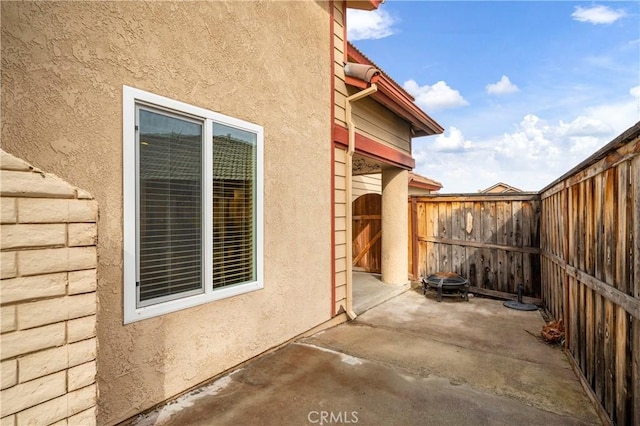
[349, 191]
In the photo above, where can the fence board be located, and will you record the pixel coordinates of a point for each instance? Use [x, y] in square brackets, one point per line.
[492, 239]
[597, 207]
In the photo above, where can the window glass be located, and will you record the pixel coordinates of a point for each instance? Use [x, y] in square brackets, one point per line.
[170, 206]
[192, 205]
[234, 204]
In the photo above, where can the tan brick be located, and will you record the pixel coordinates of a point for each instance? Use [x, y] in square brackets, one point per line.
[35, 287]
[30, 184]
[46, 413]
[8, 264]
[10, 162]
[63, 422]
[55, 310]
[82, 399]
[44, 312]
[8, 373]
[34, 210]
[26, 341]
[17, 236]
[82, 234]
[42, 363]
[38, 210]
[8, 421]
[82, 258]
[82, 281]
[81, 376]
[7, 319]
[81, 305]
[84, 418]
[81, 329]
[83, 211]
[34, 262]
[26, 395]
[8, 210]
[83, 195]
[81, 352]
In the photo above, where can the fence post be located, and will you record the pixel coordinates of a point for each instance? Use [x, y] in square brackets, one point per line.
[414, 238]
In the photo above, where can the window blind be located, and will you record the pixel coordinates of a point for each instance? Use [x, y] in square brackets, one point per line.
[234, 165]
[170, 206]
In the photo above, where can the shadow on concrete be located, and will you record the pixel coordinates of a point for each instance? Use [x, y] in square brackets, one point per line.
[369, 291]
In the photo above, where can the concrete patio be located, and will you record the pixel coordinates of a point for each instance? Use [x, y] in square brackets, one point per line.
[408, 361]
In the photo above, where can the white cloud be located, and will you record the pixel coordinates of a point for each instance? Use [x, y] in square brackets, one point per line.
[365, 25]
[437, 96]
[584, 126]
[502, 87]
[531, 155]
[454, 142]
[597, 14]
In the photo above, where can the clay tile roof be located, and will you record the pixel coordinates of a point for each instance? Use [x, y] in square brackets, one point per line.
[381, 71]
[180, 159]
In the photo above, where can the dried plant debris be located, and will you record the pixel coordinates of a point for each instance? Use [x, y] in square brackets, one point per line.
[553, 332]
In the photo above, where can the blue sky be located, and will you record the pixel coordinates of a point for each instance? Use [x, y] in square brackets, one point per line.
[524, 90]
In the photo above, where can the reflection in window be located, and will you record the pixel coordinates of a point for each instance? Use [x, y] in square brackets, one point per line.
[234, 186]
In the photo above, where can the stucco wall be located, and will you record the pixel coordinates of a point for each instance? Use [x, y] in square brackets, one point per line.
[48, 299]
[63, 67]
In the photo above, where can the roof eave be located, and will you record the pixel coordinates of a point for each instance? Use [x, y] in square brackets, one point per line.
[394, 97]
[364, 4]
[427, 186]
[423, 125]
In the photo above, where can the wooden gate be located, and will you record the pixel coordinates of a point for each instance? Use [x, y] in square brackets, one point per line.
[367, 232]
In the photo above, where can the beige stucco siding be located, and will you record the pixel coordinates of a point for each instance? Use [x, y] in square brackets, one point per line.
[63, 68]
[340, 219]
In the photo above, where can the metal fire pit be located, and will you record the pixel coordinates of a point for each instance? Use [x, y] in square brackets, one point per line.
[446, 284]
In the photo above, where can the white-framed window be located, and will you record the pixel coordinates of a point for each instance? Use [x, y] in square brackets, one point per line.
[193, 213]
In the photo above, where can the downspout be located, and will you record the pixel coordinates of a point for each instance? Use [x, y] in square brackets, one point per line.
[349, 190]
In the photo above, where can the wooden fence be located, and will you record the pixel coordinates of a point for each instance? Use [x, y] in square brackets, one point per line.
[590, 267]
[492, 239]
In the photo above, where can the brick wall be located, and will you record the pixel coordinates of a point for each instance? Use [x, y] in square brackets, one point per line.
[47, 299]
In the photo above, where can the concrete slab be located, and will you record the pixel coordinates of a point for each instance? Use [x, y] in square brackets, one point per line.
[369, 291]
[409, 361]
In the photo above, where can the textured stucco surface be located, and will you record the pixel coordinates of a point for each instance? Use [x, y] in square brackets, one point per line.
[395, 225]
[63, 67]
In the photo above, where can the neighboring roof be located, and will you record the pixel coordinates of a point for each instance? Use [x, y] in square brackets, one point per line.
[502, 187]
[394, 97]
[418, 181]
[179, 158]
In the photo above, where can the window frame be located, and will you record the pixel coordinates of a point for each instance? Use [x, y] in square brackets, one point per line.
[132, 98]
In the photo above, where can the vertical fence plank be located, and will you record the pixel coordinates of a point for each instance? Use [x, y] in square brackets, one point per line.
[589, 338]
[635, 273]
[609, 357]
[599, 348]
[620, 352]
